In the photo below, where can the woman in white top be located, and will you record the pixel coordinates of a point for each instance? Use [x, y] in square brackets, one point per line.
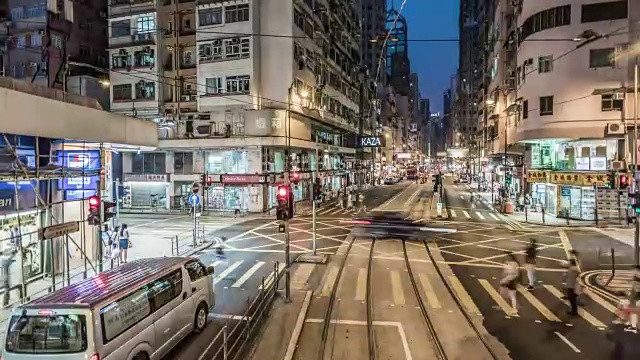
[124, 242]
[509, 281]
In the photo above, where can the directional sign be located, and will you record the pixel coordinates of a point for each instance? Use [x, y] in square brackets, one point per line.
[195, 187]
[194, 200]
[58, 230]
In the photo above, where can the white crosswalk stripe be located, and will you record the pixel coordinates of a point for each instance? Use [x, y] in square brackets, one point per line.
[466, 214]
[543, 304]
[494, 216]
[479, 215]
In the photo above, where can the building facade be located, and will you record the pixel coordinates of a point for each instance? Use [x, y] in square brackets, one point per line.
[247, 110]
[558, 111]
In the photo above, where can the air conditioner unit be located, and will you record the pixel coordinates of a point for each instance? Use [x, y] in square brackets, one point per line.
[615, 129]
[618, 165]
[185, 98]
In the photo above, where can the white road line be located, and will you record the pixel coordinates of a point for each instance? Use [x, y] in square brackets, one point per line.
[583, 314]
[336, 211]
[216, 263]
[396, 285]
[248, 274]
[463, 295]
[566, 341]
[480, 215]
[452, 212]
[297, 330]
[157, 221]
[466, 214]
[227, 271]
[548, 314]
[228, 317]
[494, 217]
[432, 298]
[497, 298]
[330, 280]
[361, 285]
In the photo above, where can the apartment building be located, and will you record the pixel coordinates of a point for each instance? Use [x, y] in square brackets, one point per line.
[38, 36]
[260, 85]
[559, 111]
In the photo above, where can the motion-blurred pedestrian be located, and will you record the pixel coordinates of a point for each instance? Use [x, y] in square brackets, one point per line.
[531, 254]
[634, 298]
[571, 284]
[509, 281]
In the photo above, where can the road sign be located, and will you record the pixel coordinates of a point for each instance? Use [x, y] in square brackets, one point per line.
[439, 209]
[58, 230]
[194, 200]
[195, 187]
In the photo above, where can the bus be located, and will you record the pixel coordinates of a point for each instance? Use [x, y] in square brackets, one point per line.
[412, 173]
[139, 310]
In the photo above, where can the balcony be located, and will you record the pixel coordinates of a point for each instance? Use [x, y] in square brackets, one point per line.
[138, 39]
[130, 7]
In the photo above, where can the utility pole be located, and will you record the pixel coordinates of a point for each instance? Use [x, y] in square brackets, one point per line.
[636, 236]
[360, 149]
[177, 82]
[287, 171]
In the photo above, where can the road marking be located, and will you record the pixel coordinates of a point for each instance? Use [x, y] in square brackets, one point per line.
[228, 317]
[506, 308]
[432, 299]
[173, 217]
[581, 312]
[216, 263]
[597, 298]
[463, 295]
[548, 314]
[297, 330]
[361, 285]
[480, 215]
[453, 213]
[227, 271]
[494, 217]
[566, 341]
[462, 197]
[566, 244]
[248, 274]
[329, 280]
[271, 278]
[301, 276]
[466, 214]
[396, 285]
[335, 211]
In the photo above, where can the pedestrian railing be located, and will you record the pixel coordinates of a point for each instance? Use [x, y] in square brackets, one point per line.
[186, 243]
[235, 339]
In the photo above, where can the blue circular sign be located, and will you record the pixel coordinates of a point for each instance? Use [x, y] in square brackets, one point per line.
[194, 199]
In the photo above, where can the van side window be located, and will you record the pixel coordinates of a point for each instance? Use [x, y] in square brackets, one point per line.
[196, 270]
[166, 289]
[121, 315]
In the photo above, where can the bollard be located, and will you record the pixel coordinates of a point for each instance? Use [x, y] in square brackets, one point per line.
[526, 215]
[224, 342]
[542, 208]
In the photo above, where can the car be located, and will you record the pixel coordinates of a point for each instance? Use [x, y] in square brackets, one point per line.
[391, 224]
[389, 180]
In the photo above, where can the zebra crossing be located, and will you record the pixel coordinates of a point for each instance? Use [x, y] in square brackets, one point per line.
[243, 274]
[545, 303]
[331, 210]
[181, 225]
[471, 214]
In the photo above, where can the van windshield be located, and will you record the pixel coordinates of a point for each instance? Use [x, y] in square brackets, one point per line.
[51, 334]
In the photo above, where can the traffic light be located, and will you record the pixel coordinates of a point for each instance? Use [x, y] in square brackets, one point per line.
[611, 181]
[209, 180]
[93, 218]
[508, 178]
[295, 177]
[206, 180]
[284, 210]
[107, 214]
[623, 181]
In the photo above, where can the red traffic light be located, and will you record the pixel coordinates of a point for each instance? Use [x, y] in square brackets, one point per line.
[624, 181]
[94, 202]
[209, 180]
[283, 191]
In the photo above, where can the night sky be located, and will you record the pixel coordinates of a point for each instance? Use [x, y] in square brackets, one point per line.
[435, 62]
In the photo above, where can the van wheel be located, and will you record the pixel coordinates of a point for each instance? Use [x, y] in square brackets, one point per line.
[200, 322]
[141, 356]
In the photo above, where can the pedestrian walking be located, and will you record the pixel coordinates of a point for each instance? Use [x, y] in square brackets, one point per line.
[509, 281]
[531, 254]
[634, 297]
[124, 242]
[571, 284]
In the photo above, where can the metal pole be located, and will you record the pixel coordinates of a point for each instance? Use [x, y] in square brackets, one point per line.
[636, 237]
[117, 201]
[313, 201]
[287, 168]
[177, 25]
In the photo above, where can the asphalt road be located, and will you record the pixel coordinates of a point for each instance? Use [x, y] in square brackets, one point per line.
[540, 328]
[252, 249]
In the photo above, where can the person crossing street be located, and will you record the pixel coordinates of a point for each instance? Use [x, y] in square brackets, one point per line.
[530, 260]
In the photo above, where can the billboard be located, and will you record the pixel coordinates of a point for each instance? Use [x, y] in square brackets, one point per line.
[370, 141]
[79, 160]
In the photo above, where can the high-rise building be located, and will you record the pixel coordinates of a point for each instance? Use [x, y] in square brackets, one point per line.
[51, 42]
[374, 14]
[250, 107]
[397, 53]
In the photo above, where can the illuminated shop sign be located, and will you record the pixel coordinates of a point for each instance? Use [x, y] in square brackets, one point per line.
[79, 160]
[371, 141]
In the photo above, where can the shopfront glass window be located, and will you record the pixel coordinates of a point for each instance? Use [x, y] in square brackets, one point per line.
[227, 162]
[183, 163]
[278, 162]
[149, 163]
[313, 161]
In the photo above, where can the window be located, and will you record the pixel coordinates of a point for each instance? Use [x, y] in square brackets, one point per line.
[196, 270]
[47, 334]
[214, 86]
[298, 19]
[144, 58]
[546, 19]
[56, 41]
[604, 11]
[183, 163]
[602, 58]
[146, 90]
[166, 289]
[21, 42]
[236, 13]
[145, 24]
[525, 109]
[612, 102]
[122, 92]
[546, 105]
[210, 17]
[238, 84]
[85, 51]
[231, 48]
[149, 163]
[545, 64]
[17, 13]
[36, 40]
[120, 60]
[121, 28]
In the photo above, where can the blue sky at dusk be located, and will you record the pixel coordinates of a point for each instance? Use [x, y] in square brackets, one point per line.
[435, 62]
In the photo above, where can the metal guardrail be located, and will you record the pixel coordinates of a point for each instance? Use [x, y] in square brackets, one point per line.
[186, 243]
[233, 341]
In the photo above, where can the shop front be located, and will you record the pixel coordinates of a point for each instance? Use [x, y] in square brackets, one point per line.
[235, 192]
[571, 195]
[145, 191]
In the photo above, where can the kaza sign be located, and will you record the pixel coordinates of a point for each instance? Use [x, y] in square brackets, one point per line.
[371, 141]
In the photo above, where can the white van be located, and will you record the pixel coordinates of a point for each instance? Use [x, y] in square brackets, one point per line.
[137, 311]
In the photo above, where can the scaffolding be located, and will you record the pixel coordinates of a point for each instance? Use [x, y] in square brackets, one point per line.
[51, 180]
